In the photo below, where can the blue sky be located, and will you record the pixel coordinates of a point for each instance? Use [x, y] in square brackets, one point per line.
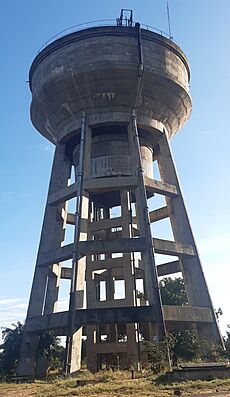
[201, 149]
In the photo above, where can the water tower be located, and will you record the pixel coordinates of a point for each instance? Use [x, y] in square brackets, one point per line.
[110, 98]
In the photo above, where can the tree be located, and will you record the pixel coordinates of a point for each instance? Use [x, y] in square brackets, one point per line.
[48, 348]
[10, 348]
[183, 346]
[157, 355]
[210, 351]
[227, 343]
[173, 291]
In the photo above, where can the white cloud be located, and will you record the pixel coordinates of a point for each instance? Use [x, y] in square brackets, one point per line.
[10, 301]
[11, 310]
[5, 196]
[206, 132]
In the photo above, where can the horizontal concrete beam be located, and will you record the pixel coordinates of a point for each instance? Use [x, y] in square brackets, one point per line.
[157, 215]
[119, 315]
[115, 347]
[167, 247]
[121, 245]
[187, 314]
[109, 184]
[162, 270]
[89, 247]
[160, 187]
[116, 315]
[168, 268]
[59, 255]
[63, 195]
[105, 224]
[55, 321]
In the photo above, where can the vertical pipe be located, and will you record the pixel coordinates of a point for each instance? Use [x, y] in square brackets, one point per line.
[72, 301]
[140, 65]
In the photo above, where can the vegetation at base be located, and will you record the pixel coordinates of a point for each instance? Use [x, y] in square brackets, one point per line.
[157, 355]
[10, 349]
[227, 343]
[182, 345]
[113, 384]
[48, 348]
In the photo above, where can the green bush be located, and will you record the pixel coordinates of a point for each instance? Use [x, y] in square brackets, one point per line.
[157, 355]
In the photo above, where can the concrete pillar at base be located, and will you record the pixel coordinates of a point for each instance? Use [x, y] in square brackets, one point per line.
[92, 362]
[133, 355]
[76, 352]
[52, 236]
[27, 362]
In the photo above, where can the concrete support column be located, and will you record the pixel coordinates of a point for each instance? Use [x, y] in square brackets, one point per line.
[76, 345]
[142, 215]
[92, 362]
[133, 356]
[195, 283]
[52, 236]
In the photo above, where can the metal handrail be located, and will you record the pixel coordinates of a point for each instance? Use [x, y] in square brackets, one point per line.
[97, 23]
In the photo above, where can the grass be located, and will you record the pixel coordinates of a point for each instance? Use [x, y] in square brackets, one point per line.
[113, 384]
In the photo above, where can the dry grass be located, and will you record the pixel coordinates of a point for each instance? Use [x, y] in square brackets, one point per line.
[117, 384]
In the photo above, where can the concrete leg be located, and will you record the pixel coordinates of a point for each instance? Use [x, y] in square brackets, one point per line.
[142, 215]
[92, 363]
[195, 283]
[51, 238]
[133, 357]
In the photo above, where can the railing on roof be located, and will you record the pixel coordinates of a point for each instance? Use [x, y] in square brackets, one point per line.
[102, 22]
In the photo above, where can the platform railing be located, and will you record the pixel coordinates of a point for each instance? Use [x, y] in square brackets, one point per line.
[101, 22]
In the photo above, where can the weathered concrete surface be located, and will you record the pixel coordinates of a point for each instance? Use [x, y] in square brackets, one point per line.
[119, 315]
[114, 246]
[110, 155]
[185, 314]
[64, 81]
[93, 247]
[195, 284]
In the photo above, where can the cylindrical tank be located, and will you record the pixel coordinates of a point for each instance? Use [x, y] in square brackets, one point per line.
[97, 70]
[110, 156]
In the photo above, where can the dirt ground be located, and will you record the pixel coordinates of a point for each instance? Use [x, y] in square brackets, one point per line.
[28, 391]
